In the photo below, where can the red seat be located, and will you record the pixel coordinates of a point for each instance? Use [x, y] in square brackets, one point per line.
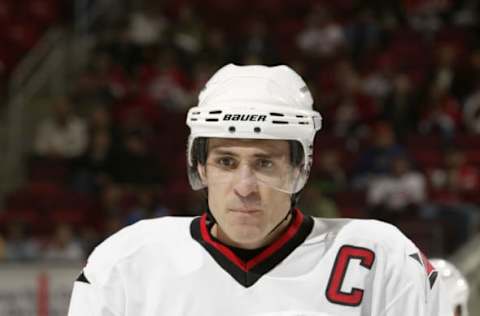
[6, 11]
[29, 216]
[351, 199]
[352, 212]
[48, 170]
[473, 156]
[467, 141]
[45, 12]
[427, 158]
[72, 216]
[23, 34]
[416, 141]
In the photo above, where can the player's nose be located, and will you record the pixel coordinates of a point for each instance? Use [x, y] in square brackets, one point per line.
[246, 182]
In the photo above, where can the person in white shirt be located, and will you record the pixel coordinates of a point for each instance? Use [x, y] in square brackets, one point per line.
[457, 286]
[401, 192]
[61, 135]
[253, 252]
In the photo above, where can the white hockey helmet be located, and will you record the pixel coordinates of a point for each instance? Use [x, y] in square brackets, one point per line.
[255, 102]
[455, 284]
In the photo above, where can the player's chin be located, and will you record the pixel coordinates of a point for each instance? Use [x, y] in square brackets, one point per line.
[246, 218]
[245, 235]
[245, 224]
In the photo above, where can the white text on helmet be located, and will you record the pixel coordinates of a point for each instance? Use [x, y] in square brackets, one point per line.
[244, 117]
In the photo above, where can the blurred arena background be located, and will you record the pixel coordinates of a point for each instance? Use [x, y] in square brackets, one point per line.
[94, 97]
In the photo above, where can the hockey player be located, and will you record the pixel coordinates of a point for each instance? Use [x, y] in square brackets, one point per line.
[456, 285]
[252, 252]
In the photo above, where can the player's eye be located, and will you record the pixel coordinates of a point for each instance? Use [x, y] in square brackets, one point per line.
[264, 164]
[226, 162]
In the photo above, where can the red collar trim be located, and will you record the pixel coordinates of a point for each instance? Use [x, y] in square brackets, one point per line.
[269, 251]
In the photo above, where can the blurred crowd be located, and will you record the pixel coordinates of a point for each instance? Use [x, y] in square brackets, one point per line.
[22, 25]
[397, 83]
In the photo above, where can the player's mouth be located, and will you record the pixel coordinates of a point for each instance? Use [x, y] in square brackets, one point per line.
[244, 211]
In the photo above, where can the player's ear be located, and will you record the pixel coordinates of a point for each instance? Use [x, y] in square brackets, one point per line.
[202, 173]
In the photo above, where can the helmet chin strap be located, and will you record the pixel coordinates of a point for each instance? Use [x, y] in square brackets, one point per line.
[293, 201]
[290, 211]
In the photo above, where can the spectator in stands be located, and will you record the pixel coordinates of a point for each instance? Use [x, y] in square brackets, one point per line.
[426, 20]
[105, 79]
[188, 35]
[111, 199]
[2, 248]
[450, 186]
[147, 26]
[330, 176]
[93, 169]
[398, 194]
[63, 134]
[353, 109]
[19, 244]
[362, 34]
[164, 82]
[322, 37]
[202, 71]
[444, 72]
[63, 246]
[458, 175]
[217, 48]
[316, 203]
[135, 164]
[257, 41]
[146, 206]
[441, 114]
[376, 159]
[471, 110]
[89, 238]
[399, 107]
[112, 224]
[100, 119]
[378, 82]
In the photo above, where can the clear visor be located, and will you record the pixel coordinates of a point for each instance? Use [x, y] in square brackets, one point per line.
[251, 173]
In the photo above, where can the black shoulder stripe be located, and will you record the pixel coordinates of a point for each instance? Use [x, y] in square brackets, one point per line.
[433, 278]
[82, 278]
[416, 257]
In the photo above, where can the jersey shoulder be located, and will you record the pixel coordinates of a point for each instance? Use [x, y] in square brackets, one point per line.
[377, 231]
[131, 239]
[387, 241]
[362, 231]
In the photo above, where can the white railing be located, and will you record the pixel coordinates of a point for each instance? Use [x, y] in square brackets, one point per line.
[45, 66]
[40, 67]
[39, 289]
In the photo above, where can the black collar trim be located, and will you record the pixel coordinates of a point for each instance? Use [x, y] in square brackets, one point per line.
[248, 272]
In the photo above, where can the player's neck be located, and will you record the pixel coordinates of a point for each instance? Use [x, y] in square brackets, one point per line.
[219, 234]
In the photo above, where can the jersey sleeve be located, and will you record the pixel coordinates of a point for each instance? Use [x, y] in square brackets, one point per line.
[100, 289]
[96, 299]
[413, 286]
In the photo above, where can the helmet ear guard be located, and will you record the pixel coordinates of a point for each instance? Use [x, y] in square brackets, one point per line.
[254, 102]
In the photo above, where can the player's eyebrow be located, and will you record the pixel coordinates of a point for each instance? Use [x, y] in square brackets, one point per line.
[225, 152]
[222, 152]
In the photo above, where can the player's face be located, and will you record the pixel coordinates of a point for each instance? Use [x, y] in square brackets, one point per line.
[242, 194]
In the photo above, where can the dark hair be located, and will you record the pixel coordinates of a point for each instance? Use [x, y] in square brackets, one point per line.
[200, 152]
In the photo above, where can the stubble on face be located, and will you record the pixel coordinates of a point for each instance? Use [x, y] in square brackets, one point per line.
[246, 220]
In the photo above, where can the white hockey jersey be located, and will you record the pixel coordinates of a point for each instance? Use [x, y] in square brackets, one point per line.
[330, 267]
